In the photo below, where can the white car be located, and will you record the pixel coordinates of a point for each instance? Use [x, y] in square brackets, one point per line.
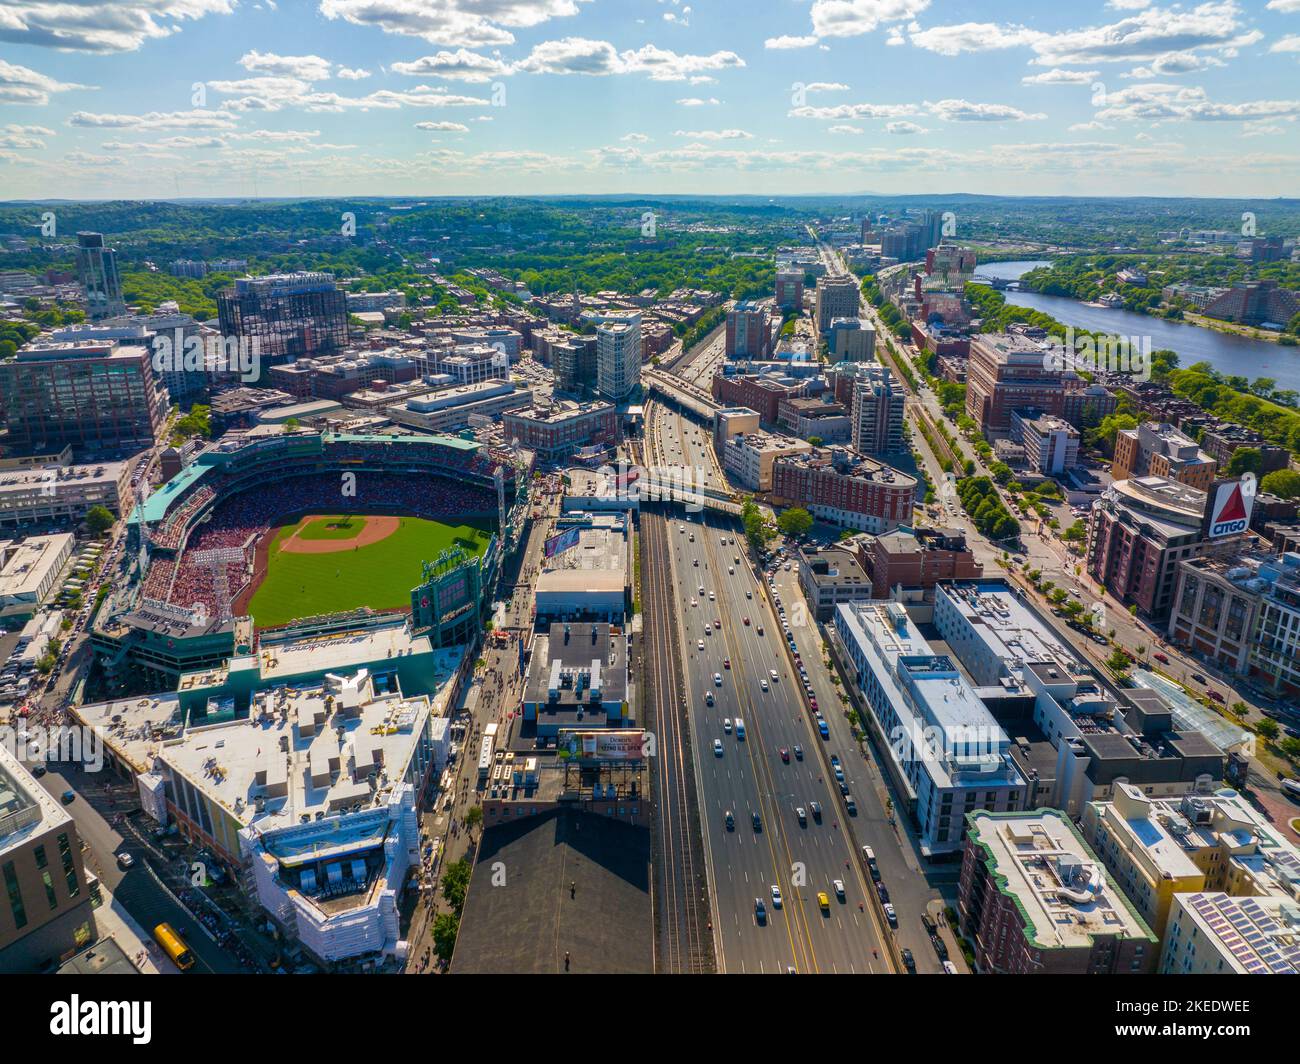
[717, 747]
[731, 571]
[717, 679]
[748, 594]
[763, 683]
[776, 896]
[726, 725]
[772, 673]
[699, 644]
[712, 597]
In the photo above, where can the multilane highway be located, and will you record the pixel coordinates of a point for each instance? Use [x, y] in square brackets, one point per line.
[751, 775]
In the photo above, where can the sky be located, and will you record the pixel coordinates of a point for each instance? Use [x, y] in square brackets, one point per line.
[164, 98]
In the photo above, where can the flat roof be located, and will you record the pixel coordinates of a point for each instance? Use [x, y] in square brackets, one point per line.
[1006, 626]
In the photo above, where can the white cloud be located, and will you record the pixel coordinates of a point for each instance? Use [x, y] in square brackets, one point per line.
[99, 25]
[714, 134]
[786, 43]
[1286, 44]
[461, 64]
[634, 138]
[696, 101]
[1173, 63]
[580, 55]
[855, 111]
[845, 129]
[20, 84]
[1156, 102]
[852, 18]
[1148, 34]
[965, 111]
[454, 23]
[1061, 77]
[198, 119]
[303, 67]
[1287, 7]
[351, 74]
[825, 86]
[442, 127]
[904, 128]
[974, 37]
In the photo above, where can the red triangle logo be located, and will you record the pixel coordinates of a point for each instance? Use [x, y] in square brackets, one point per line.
[1234, 509]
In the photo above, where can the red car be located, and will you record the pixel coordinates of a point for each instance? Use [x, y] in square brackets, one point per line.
[1161, 658]
[1215, 695]
[746, 620]
[785, 755]
[726, 663]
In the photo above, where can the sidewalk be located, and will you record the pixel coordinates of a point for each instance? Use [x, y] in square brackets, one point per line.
[116, 923]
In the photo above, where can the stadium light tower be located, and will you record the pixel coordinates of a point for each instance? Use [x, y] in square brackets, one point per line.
[217, 559]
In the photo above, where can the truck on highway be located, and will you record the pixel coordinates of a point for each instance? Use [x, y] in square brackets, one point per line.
[740, 728]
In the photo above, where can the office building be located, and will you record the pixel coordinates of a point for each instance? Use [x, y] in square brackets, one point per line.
[46, 909]
[946, 754]
[97, 273]
[852, 491]
[30, 569]
[749, 331]
[748, 457]
[789, 289]
[1158, 449]
[1212, 933]
[818, 418]
[618, 356]
[852, 340]
[1051, 444]
[62, 492]
[1156, 848]
[97, 396]
[553, 432]
[760, 392]
[1034, 900]
[917, 558]
[879, 412]
[285, 316]
[837, 297]
[831, 575]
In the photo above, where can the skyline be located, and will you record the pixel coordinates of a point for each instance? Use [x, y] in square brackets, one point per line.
[479, 97]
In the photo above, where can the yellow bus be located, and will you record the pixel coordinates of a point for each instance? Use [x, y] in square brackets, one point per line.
[174, 946]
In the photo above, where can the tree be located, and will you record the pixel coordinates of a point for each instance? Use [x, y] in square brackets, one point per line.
[99, 519]
[445, 929]
[815, 441]
[1284, 483]
[1268, 728]
[794, 522]
[473, 817]
[455, 884]
[1244, 460]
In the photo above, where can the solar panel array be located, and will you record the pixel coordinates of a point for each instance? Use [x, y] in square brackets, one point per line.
[1250, 934]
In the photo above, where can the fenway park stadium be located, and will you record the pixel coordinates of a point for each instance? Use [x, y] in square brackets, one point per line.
[266, 540]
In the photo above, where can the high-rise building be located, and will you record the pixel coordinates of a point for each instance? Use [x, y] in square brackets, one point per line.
[618, 356]
[749, 331]
[789, 289]
[852, 340]
[1161, 450]
[97, 396]
[285, 316]
[878, 412]
[1009, 370]
[574, 361]
[837, 297]
[46, 909]
[97, 272]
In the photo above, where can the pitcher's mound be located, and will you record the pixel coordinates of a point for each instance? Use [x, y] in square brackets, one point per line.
[331, 534]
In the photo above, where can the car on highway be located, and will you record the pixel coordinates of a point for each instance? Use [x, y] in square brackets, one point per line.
[717, 625]
[729, 818]
[776, 896]
[748, 594]
[802, 814]
[699, 644]
[890, 915]
[798, 752]
[708, 698]
[816, 809]
[746, 620]
[760, 911]
[760, 629]
[717, 679]
[909, 962]
[763, 685]
[696, 563]
[838, 884]
[731, 571]
[726, 663]
[823, 901]
[717, 747]
[726, 725]
[758, 821]
[785, 755]
[772, 673]
[713, 597]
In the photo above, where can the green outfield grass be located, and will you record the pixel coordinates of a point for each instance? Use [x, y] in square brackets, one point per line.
[380, 576]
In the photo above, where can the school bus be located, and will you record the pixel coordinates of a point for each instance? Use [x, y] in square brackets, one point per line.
[174, 946]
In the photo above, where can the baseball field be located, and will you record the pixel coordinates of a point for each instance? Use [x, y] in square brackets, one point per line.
[327, 563]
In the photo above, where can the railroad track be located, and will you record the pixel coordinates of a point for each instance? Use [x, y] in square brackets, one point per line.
[683, 940]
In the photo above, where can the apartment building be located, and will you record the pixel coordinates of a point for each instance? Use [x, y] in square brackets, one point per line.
[1158, 449]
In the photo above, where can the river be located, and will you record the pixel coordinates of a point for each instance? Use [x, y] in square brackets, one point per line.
[1226, 353]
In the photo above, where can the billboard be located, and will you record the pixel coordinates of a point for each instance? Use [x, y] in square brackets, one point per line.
[1230, 509]
[562, 542]
[612, 744]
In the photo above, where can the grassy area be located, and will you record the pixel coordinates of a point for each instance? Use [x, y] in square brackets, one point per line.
[380, 576]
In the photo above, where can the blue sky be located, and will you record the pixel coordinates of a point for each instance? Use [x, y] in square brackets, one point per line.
[155, 98]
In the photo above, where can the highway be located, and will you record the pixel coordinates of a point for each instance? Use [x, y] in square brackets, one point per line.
[751, 776]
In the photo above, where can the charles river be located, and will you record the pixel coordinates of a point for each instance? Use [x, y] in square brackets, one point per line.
[1228, 354]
